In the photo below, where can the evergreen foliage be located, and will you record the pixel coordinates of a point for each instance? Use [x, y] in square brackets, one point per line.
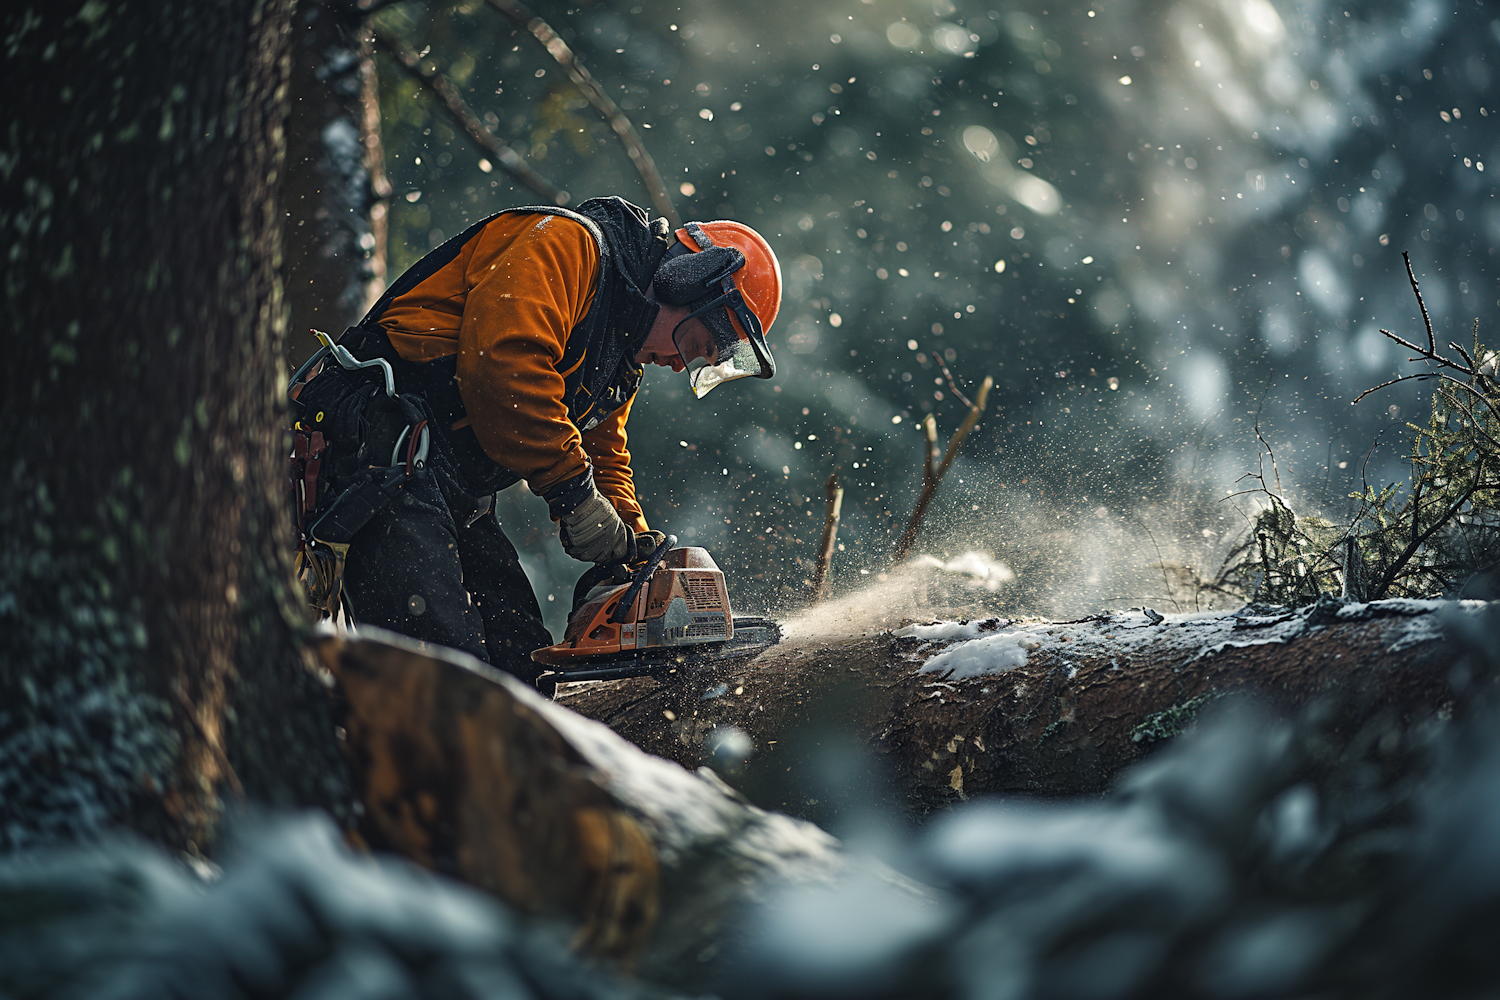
[1437, 535]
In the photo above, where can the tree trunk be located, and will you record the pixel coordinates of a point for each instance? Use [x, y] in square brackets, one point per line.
[335, 187]
[149, 654]
[847, 713]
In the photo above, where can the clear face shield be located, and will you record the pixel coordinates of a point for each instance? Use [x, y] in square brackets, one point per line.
[719, 351]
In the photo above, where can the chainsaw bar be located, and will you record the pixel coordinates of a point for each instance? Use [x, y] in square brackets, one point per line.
[750, 635]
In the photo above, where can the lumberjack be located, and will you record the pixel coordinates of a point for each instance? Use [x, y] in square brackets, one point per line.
[513, 351]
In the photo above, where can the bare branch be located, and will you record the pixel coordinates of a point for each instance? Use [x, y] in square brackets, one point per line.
[1426, 354]
[830, 536]
[1364, 470]
[1387, 385]
[1463, 353]
[975, 409]
[441, 87]
[1161, 564]
[1426, 320]
[621, 125]
[929, 455]
[952, 385]
[1262, 439]
[931, 477]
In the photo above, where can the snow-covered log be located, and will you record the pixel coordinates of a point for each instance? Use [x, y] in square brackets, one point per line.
[938, 712]
[468, 772]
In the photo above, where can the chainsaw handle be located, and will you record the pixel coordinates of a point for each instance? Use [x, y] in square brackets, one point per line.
[621, 612]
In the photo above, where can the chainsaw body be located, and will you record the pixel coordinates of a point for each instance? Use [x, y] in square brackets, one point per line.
[680, 609]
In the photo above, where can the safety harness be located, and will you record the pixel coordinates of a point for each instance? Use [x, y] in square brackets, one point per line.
[335, 491]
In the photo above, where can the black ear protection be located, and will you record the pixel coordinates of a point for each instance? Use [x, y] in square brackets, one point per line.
[684, 277]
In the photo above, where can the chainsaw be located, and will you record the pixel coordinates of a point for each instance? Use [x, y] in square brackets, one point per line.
[672, 612]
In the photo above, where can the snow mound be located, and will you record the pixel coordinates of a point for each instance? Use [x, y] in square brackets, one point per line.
[994, 654]
[940, 630]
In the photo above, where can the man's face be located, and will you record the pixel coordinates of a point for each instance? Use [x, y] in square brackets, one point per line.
[692, 340]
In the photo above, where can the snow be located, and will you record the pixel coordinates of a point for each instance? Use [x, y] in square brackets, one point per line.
[940, 630]
[1402, 606]
[994, 654]
[977, 649]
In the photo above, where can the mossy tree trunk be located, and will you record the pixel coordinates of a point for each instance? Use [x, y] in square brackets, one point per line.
[150, 663]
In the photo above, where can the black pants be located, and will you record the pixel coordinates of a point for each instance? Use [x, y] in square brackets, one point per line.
[428, 568]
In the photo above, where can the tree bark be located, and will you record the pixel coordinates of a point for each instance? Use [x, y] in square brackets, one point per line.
[150, 663]
[843, 717]
[335, 189]
[471, 773]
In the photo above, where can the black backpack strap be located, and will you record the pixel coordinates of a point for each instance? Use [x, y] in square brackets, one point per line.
[425, 268]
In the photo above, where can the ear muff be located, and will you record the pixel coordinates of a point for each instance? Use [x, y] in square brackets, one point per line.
[685, 278]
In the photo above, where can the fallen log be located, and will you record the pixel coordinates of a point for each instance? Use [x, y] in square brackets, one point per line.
[933, 715]
[473, 774]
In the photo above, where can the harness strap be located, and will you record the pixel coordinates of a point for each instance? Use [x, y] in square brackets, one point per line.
[424, 269]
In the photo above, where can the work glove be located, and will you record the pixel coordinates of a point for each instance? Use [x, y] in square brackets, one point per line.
[646, 543]
[593, 532]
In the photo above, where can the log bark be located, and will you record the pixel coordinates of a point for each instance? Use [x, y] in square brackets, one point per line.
[847, 712]
[471, 773]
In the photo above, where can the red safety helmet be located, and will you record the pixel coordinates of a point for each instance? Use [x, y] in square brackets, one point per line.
[729, 276]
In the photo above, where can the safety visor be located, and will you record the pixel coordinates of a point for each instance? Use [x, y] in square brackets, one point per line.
[734, 354]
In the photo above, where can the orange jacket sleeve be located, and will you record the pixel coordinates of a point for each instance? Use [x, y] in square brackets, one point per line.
[606, 445]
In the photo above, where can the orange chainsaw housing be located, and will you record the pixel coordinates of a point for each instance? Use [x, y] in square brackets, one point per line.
[684, 603]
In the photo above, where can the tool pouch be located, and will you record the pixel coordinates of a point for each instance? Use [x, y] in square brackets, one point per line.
[353, 449]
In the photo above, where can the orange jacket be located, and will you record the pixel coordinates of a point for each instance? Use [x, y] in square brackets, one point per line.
[506, 305]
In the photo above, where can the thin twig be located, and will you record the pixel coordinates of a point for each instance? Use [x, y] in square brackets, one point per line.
[929, 431]
[509, 160]
[1465, 354]
[1161, 563]
[1432, 356]
[1262, 438]
[830, 536]
[1364, 470]
[952, 384]
[621, 125]
[1387, 385]
[931, 477]
[975, 408]
[1426, 320]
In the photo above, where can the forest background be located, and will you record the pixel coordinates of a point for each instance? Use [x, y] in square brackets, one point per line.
[153, 663]
[1155, 225]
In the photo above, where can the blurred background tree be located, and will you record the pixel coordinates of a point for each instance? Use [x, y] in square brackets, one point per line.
[1146, 220]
